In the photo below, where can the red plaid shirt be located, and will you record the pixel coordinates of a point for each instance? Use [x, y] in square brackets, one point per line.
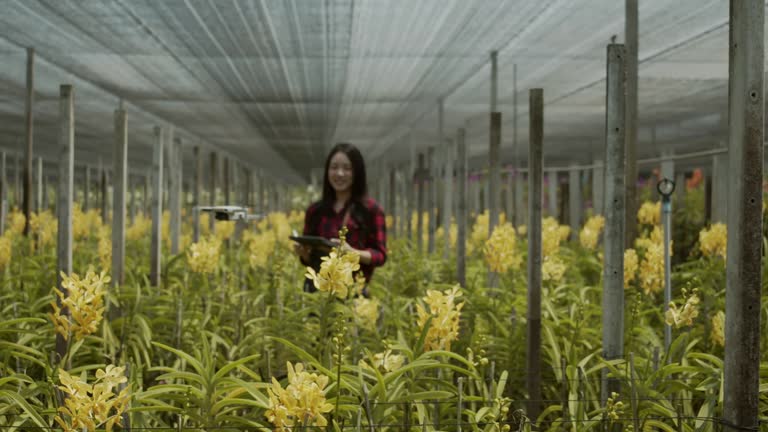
[323, 221]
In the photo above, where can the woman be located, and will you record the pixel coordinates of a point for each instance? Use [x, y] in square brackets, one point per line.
[345, 202]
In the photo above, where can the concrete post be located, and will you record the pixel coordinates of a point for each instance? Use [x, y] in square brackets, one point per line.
[613, 269]
[552, 193]
[746, 102]
[3, 193]
[631, 40]
[432, 199]
[87, 188]
[64, 195]
[420, 179]
[679, 189]
[104, 198]
[212, 189]
[132, 202]
[516, 199]
[574, 201]
[262, 194]
[45, 194]
[157, 207]
[29, 129]
[494, 174]
[520, 212]
[461, 215]
[226, 181]
[598, 184]
[145, 194]
[119, 182]
[196, 192]
[447, 197]
[175, 174]
[535, 172]
[720, 188]
[391, 202]
[39, 194]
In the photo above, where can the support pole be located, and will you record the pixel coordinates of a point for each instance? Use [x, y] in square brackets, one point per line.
[3, 193]
[65, 190]
[432, 199]
[420, 186]
[119, 182]
[494, 173]
[174, 198]
[212, 189]
[196, 192]
[226, 181]
[598, 184]
[574, 201]
[30, 119]
[517, 196]
[631, 40]
[39, 194]
[535, 171]
[613, 269]
[744, 271]
[552, 194]
[720, 188]
[447, 197]
[104, 199]
[157, 208]
[461, 215]
[86, 188]
[391, 202]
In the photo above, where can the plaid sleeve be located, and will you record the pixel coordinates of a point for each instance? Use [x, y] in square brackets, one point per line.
[377, 239]
[309, 216]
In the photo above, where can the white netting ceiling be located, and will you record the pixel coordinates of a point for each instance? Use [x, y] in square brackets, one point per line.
[275, 83]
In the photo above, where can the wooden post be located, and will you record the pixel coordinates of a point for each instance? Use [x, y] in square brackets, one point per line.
[175, 174]
[30, 114]
[157, 207]
[212, 190]
[574, 201]
[461, 215]
[744, 270]
[196, 193]
[65, 190]
[613, 269]
[631, 40]
[119, 181]
[535, 172]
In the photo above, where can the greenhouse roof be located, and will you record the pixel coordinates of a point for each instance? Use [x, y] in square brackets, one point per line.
[274, 84]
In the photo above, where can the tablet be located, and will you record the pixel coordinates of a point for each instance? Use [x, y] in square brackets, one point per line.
[314, 241]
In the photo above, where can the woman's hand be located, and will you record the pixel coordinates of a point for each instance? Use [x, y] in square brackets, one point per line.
[302, 251]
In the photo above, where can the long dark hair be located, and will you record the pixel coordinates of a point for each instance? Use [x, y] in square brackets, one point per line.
[359, 179]
[359, 188]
